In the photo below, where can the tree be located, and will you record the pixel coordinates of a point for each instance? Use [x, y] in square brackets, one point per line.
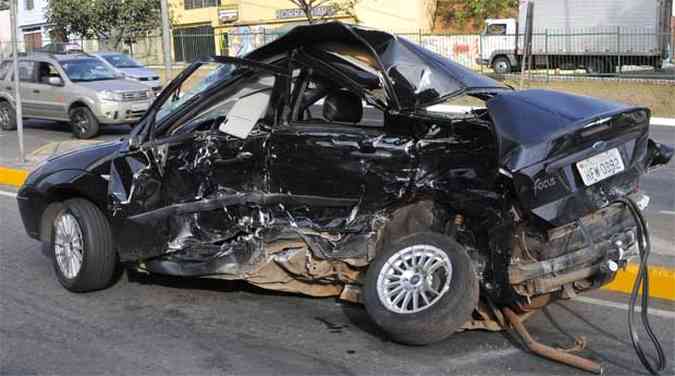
[469, 15]
[116, 21]
[313, 9]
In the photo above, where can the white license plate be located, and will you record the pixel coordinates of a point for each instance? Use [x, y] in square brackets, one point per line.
[600, 167]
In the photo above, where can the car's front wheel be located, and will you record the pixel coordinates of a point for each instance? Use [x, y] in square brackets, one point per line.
[422, 289]
[82, 247]
[84, 123]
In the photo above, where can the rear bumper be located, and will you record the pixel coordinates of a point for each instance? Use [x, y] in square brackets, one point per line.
[585, 254]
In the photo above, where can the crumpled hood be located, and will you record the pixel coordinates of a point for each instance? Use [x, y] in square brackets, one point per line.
[85, 159]
[529, 123]
[121, 85]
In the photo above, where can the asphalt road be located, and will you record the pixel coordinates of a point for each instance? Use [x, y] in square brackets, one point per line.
[169, 326]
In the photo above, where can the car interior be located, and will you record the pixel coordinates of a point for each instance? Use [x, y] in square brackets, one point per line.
[45, 72]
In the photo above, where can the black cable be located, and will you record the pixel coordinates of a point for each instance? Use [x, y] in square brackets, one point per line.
[642, 280]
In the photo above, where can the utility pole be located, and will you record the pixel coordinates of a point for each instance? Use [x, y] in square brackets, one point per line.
[17, 91]
[166, 42]
[527, 45]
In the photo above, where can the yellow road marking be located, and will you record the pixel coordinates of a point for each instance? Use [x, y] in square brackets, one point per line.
[13, 177]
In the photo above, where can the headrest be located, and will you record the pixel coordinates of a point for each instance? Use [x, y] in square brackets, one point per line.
[343, 106]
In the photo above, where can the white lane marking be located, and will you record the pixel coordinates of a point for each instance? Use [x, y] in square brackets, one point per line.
[667, 212]
[664, 122]
[481, 356]
[8, 194]
[604, 303]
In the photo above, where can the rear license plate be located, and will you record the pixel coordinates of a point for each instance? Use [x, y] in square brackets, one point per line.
[600, 167]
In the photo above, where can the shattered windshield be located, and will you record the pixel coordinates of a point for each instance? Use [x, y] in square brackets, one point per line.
[202, 79]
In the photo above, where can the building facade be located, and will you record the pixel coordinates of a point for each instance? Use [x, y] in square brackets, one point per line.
[234, 27]
[31, 21]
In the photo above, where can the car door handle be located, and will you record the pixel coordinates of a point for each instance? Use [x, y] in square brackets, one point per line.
[8, 88]
[243, 156]
[36, 91]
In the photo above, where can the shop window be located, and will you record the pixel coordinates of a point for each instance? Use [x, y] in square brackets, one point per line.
[194, 4]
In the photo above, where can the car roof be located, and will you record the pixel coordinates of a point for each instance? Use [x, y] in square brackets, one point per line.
[51, 58]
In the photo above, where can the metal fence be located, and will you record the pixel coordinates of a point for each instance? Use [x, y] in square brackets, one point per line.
[614, 54]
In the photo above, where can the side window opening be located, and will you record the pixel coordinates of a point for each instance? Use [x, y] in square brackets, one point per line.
[26, 71]
[238, 112]
[496, 29]
[5, 68]
[324, 100]
[45, 71]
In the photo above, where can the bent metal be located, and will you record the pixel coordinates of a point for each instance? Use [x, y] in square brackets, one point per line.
[269, 169]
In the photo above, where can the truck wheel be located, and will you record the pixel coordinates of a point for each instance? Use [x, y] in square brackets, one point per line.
[83, 122]
[7, 117]
[422, 289]
[502, 65]
[82, 247]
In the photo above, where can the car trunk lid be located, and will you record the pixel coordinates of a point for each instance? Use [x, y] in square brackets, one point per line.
[569, 155]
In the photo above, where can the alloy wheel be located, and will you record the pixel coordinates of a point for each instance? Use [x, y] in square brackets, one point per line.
[414, 278]
[68, 245]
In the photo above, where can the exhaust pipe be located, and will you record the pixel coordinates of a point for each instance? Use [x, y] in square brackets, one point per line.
[550, 352]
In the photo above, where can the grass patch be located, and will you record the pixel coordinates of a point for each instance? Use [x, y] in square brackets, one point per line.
[659, 98]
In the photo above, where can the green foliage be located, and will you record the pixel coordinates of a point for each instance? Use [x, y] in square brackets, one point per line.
[473, 12]
[114, 20]
[339, 6]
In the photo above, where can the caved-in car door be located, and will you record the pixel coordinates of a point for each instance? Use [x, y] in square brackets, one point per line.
[182, 193]
[335, 149]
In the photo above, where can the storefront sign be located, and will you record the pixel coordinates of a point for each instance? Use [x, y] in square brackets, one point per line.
[298, 13]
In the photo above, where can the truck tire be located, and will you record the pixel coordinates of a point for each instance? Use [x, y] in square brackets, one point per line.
[502, 65]
[83, 122]
[82, 249]
[7, 117]
[421, 289]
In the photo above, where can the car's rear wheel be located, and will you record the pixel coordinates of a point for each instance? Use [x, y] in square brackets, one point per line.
[84, 123]
[422, 289]
[82, 248]
[7, 117]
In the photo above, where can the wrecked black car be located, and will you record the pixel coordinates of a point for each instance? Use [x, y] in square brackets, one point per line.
[322, 164]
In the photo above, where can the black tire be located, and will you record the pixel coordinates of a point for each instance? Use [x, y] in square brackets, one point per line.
[502, 65]
[442, 317]
[7, 116]
[83, 123]
[99, 259]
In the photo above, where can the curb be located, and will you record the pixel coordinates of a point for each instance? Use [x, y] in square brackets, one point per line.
[661, 279]
[13, 177]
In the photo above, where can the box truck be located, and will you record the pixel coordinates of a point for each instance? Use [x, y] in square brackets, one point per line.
[597, 35]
